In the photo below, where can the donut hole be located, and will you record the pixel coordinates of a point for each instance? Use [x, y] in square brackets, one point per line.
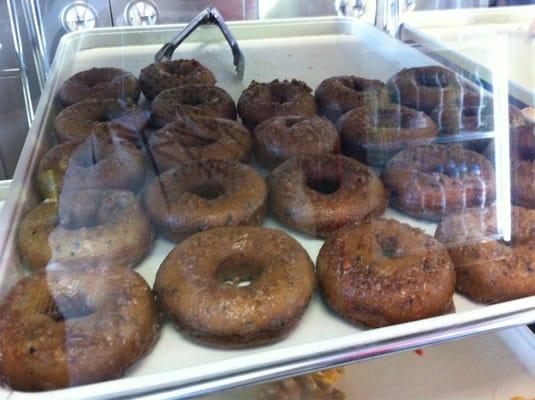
[208, 190]
[324, 182]
[357, 85]
[194, 139]
[280, 96]
[63, 308]
[177, 68]
[238, 271]
[389, 246]
[289, 122]
[433, 79]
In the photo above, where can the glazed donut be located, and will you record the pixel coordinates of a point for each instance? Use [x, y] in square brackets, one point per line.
[88, 229]
[424, 88]
[488, 269]
[383, 272]
[63, 329]
[205, 194]
[337, 95]
[99, 83]
[199, 138]
[319, 194]
[522, 140]
[280, 138]
[209, 101]
[95, 163]
[374, 134]
[158, 77]
[260, 101]
[100, 117]
[432, 181]
[198, 286]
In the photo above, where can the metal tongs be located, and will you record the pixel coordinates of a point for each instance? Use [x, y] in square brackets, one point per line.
[209, 16]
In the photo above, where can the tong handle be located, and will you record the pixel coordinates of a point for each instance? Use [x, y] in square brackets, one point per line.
[210, 15]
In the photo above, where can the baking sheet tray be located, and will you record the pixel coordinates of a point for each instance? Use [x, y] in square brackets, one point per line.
[308, 49]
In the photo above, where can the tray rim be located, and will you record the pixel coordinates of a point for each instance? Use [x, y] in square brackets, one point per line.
[305, 357]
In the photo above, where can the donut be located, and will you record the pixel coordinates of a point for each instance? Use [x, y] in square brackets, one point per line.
[337, 95]
[98, 162]
[454, 120]
[279, 138]
[383, 272]
[101, 117]
[522, 139]
[260, 101]
[236, 286]
[99, 83]
[489, 269]
[85, 229]
[424, 88]
[63, 329]
[319, 194]
[205, 194]
[209, 101]
[374, 134]
[158, 77]
[432, 181]
[199, 138]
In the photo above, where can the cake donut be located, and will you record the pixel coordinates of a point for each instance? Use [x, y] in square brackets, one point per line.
[99, 83]
[383, 272]
[424, 88]
[279, 138]
[319, 194]
[522, 141]
[196, 100]
[205, 194]
[260, 101]
[202, 286]
[158, 77]
[98, 162]
[63, 329]
[489, 269]
[373, 134]
[337, 95]
[100, 117]
[432, 181]
[199, 138]
[85, 229]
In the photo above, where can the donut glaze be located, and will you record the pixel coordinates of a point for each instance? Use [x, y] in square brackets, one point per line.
[198, 286]
[319, 194]
[383, 272]
[63, 329]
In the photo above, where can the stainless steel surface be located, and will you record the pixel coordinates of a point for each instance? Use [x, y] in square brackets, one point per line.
[387, 16]
[310, 50]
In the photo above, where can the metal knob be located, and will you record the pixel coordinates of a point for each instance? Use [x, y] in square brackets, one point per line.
[141, 12]
[77, 16]
[353, 8]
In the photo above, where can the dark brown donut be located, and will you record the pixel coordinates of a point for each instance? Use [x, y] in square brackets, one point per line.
[522, 139]
[209, 101]
[100, 117]
[374, 134]
[382, 272]
[279, 138]
[158, 77]
[432, 181]
[319, 194]
[199, 138]
[260, 101]
[198, 286]
[88, 229]
[424, 88]
[489, 269]
[63, 329]
[99, 83]
[337, 95]
[205, 194]
[95, 163]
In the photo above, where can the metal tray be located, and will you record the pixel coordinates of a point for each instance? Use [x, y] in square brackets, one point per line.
[308, 49]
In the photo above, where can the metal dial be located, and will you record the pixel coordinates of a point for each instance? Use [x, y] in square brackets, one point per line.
[77, 16]
[141, 12]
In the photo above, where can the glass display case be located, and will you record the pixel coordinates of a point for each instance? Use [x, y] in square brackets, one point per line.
[213, 195]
